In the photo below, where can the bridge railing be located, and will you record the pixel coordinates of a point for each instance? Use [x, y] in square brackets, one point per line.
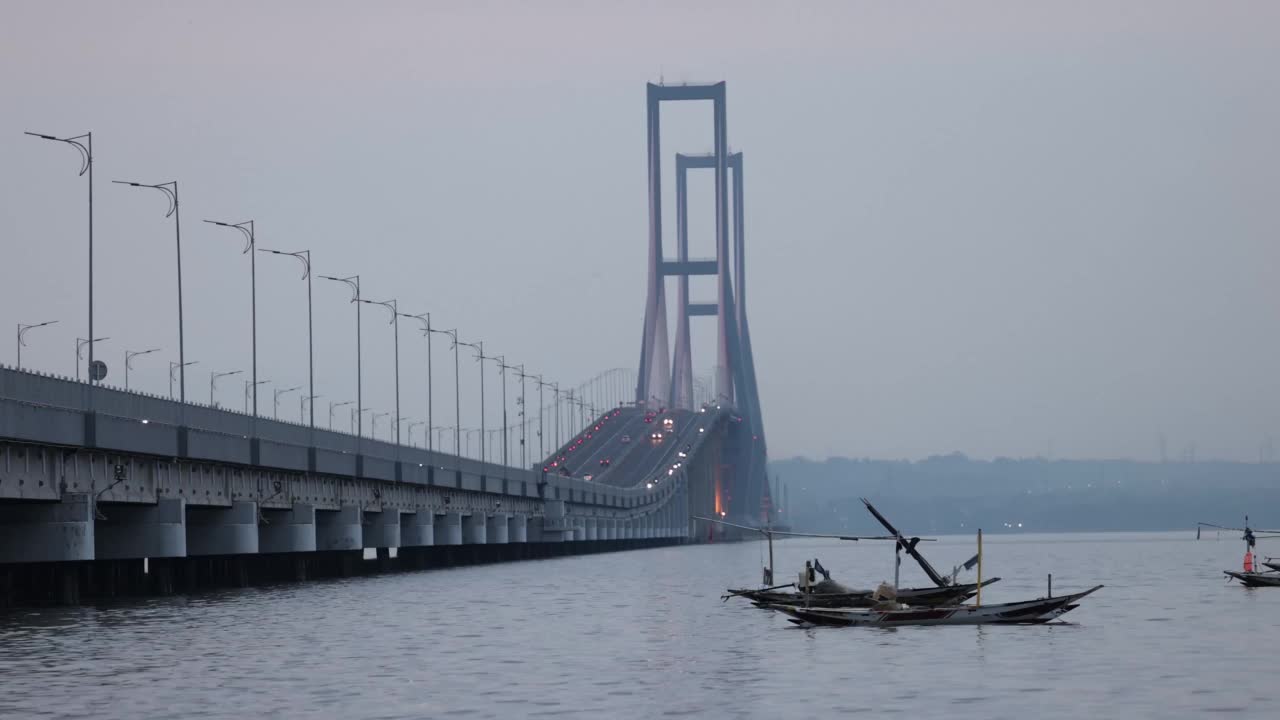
[49, 409]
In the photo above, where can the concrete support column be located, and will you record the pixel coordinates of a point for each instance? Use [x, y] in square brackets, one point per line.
[223, 531]
[417, 529]
[474, 530]
[340, 529]
[579, 526]
[592, 529]
[448, 528]
[141, 531]
[39, 532]
[285, 531]
[496, 529]
[381, 529]
[518, 528]
[543, 530]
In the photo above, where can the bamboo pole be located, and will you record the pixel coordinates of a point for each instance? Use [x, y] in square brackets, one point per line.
[979, 600]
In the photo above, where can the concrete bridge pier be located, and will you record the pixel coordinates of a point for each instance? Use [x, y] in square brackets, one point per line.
[448, 528]
[155, 532]
[223, 531]
[53, 532]
[220, 543]
[417, 529]
[417, 532]
[518, 528]
[288, 536]
[579, 526]
[341, 529]
[288, 531]
[474, 531]
[541, 530]
[380, 531]
[59, 534]
[496, 532]
[340, 532]
[593, 529]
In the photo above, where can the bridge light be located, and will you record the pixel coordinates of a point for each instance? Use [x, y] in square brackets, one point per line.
[146, 421]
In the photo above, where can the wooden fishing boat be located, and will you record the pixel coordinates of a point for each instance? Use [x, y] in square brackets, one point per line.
[921, 597]
[1029, 612]
[1251, 536]
[1255, 579]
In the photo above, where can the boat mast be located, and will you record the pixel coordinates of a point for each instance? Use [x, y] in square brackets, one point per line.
[978, 602]
[897, 566]
[768, 572]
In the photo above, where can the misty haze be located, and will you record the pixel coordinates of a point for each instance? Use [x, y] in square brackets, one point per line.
[395, 359]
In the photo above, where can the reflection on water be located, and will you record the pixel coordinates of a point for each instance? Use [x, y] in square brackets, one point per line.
[644, 634]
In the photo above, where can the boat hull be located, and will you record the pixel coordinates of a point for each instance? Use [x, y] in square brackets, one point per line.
[1029, 612]
[1253, 579]
[918, 597]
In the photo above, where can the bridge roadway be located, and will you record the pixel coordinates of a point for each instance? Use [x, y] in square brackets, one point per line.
[626, 437]
[96, 485]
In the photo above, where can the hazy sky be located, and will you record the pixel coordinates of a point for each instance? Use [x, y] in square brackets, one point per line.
[987, 227]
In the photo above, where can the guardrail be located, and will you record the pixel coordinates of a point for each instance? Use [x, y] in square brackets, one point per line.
[48, 409]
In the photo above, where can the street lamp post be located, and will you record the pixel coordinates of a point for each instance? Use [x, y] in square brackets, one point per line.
[171, 193]
[302, 408]
[439, 431]
[374, 432]
[275, 406]
[181, 367]
[129, 355]
[524, 417]
[333, 405]
[555, 394]
[357, 417]
[425, 319]
[86, 158]
[253, 295]
[353, 282]
[304, 257]
[213, 380]
[395, 322]
[80, 343]
[502, 370]
[248, 386]
[410, 431]
[542, 406]
[22, 331]
[480, 357]
[457, 392]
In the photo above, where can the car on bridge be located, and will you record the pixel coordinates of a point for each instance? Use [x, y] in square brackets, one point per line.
[656, 437]
[605, 462]
[626, 438]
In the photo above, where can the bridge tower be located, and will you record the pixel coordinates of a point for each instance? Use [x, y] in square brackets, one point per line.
[667, 380]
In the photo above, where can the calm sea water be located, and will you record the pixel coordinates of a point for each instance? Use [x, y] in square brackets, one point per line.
[644, 634]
